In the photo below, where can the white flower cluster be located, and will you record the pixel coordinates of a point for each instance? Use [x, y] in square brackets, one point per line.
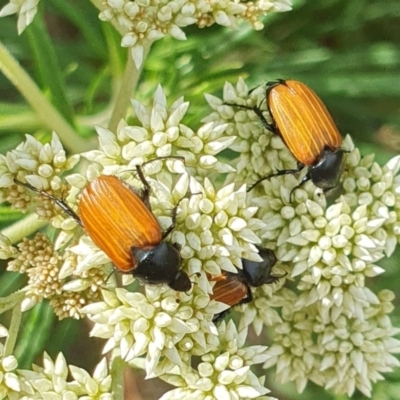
[10, 384]
[150, 20]
[51, 380]
[165, 326]
[330, 327]
[145, 21]
[161, 133]
[341, 354]
[40, 165]
[259, 152]
[49, 276]
[333, 322]
[224, 373]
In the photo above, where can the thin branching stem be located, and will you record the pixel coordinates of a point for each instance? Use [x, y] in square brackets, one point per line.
[23, 228]
[15, 323]
[117, 374]
[40, 104]
[128, 84]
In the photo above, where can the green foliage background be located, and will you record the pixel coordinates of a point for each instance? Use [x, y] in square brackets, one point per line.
[347, 51]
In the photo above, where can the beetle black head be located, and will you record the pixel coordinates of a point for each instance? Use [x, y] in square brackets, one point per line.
[181, 283]
[258, 273]
[160, 264]
[327, 171]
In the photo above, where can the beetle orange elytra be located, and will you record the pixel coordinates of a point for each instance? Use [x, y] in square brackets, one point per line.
[121, 224]
[234, 289]
[305, 125]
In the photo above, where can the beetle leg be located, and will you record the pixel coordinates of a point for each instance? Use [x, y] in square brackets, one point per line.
[279, 173]
[145, 192]
[278, 81]
[305, 179]
[259, 113]
[173, 223]
[249, 297]
[177, 246]
[274, 278]
[64, 206]
[174, 214]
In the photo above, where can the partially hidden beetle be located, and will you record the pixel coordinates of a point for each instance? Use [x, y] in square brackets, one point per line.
[305, 125]
[120, 223]
[235, 288]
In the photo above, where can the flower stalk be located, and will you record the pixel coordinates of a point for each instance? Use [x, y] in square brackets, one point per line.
[14, 329]
[50, 117]
[117, 374]
[127, 86]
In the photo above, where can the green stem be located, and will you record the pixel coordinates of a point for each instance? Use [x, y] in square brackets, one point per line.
[14, 327]
[128, 84]
[23, 228]
[11, 301]
[117, 376]
[44, 109]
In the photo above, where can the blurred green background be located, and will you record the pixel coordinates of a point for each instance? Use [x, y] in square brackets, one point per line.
[347, 51]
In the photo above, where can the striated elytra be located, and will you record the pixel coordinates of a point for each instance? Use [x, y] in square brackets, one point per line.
[305, 125]
[234, 289]
[121, 223]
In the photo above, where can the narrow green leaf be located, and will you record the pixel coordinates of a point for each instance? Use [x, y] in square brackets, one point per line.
[35, 335]
[49, 70]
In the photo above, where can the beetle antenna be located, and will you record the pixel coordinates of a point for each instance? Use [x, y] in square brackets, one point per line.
[180, 158]
[61, 203]
[175, 212]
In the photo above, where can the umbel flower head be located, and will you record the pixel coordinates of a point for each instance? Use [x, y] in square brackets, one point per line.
[331, 249]
[12, 385]
[142, 22]
[161, 133]
[37, 164]
[146, 21]
[224, 372]
[165, 326]
[328, 321]
[52, 381]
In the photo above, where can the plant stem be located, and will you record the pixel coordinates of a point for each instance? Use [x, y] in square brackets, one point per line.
[117, 375]
[15, 323]
[23, 228]
[43, 108]
[128, 84]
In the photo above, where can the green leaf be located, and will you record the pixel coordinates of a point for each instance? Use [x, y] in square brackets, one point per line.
[47, 66]
[36, 333]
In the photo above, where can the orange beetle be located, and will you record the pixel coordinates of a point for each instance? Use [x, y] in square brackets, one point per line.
[234, 289]
[303, 122]
[121, 223]
[231, 289]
